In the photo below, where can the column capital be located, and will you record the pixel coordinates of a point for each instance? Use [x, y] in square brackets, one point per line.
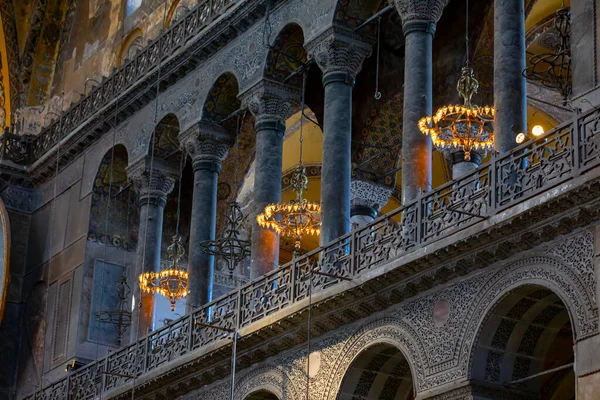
[152, 179]
[365, 194]
[421, 15]
[207, 144]
[339, 53]
[269, 100]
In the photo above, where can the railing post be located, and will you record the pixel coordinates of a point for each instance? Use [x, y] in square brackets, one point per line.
[293, 272]
[493, 184]
[575, 143]
[420, 218]
[353, 245]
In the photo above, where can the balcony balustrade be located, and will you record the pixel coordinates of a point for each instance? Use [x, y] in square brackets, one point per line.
[565, 153]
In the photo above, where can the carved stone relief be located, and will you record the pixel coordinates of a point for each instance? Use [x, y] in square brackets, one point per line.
[438, 344]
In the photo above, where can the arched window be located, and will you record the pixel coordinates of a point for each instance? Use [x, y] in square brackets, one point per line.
[132, 5]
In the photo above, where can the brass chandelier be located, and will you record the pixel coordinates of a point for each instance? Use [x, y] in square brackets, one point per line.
[231, 247]
[171, 282]
[467, 127]
[299, 217]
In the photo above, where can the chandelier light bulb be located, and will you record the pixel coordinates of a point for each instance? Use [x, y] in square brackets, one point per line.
[537, 130]
[520, 138]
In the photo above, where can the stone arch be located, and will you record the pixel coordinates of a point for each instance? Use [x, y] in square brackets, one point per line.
[222, 99]
[286, 54]
[165, 141]
[546, 272]
[110, 178]
[269, 378]
[130, 45]
[352, 13]
[386, 331]
[527, 331]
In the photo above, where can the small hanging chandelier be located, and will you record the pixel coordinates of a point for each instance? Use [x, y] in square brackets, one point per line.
[171, 282]
[120, 318]
[230, 247]
[468, 127]
[553, 70]
[297, 218]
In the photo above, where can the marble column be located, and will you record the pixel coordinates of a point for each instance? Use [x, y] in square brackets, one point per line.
[340, 55]
[366, 200]
[419, 19]
[510, 89]
[270, 103]
[208, 145]
[460, 167]
[153, 180]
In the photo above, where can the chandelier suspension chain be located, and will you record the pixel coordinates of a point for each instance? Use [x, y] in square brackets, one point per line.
[158, 70]
[377, 92]
[467, 63]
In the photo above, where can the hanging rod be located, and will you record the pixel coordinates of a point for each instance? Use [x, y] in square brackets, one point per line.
[374, 17]
[540, 374]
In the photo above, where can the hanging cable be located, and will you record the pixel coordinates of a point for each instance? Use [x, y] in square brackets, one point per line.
[152, 144]
[467, 33]
[56, 172]
[181, 166]
[302, 115]
[377, 92]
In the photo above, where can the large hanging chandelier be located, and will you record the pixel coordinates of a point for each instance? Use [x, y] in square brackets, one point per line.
[171, 282]
[297, 218]
[230, 247]
[467, 127]
[553, 70]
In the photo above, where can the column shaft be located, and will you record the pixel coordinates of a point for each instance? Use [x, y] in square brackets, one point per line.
[510, 90]
[202, 228]
[147, 260]
[416, 147]
[336, 172]
[267, 190]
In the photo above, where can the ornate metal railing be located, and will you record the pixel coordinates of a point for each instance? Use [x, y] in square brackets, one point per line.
[532, 168]
[178, 34]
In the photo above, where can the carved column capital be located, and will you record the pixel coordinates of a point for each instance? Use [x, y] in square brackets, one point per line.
[207, 144]
[339, 53]
[152, 179]
[368, 194]
[270, 100]
[420, 15]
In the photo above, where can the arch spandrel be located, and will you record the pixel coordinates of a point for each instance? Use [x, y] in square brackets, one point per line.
[551, 273]
[269, 378]
[388, 331]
